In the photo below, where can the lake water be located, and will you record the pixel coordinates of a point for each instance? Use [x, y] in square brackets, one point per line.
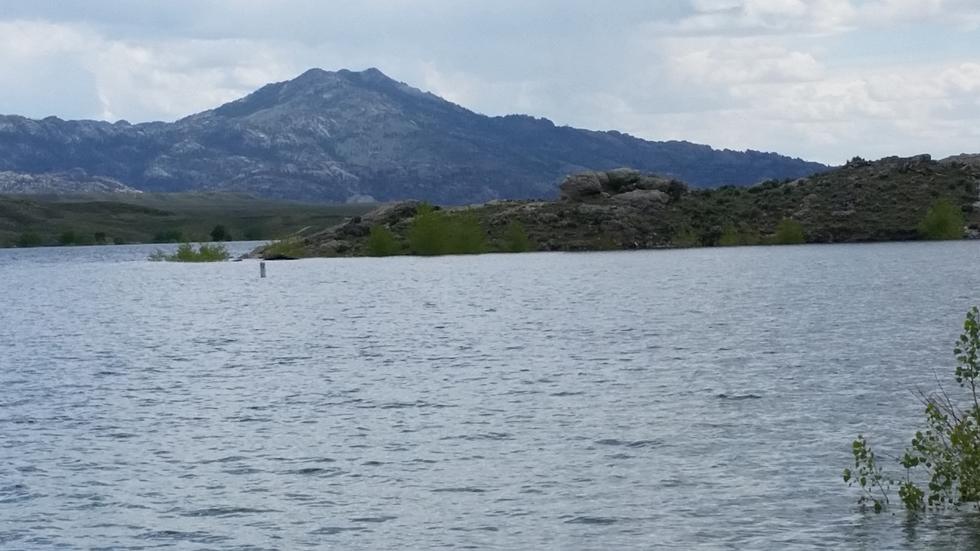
[638, 400]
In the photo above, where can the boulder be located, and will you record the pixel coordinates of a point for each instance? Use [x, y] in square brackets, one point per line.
[653, 183]
[622, 179]
[581, 187]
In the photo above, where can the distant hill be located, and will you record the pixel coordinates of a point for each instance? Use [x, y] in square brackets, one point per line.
[112, 217]
[355, 136]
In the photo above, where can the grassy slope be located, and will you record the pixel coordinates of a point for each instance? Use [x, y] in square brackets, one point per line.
[137, 218]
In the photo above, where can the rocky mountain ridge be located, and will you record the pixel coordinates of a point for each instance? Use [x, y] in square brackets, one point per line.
[349, 136]
[60, 183]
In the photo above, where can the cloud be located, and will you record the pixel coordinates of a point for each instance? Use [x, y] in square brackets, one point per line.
[822, 79]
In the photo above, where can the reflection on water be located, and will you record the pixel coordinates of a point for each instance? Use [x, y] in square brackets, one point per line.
[672, 399]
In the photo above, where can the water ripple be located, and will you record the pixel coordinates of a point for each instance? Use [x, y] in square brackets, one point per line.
[698, 399]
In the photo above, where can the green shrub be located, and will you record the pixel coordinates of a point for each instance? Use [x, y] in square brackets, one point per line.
[220, 233]
[206, 252]
[435, 232]
[291, 247]
[68, 237]
[381, 242]
[466, 235]
[29, 239]
[943, 221]
[428, 233]
[515, 238]
[789, 232]
[948, 450]
[729, 236]
[100, 237]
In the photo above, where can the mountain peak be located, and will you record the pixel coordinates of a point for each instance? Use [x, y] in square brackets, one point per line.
[317, 76]
[312, 86]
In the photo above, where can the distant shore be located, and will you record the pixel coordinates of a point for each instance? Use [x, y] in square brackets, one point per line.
[894, 199]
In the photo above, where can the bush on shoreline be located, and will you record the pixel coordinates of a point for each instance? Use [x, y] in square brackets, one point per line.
[943, 221]
[946, 454]
[434, 232]
[789, 232]
[206, 252]
[381, 242]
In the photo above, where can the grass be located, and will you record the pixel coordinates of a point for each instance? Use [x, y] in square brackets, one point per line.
[156, 218]
[291, 247]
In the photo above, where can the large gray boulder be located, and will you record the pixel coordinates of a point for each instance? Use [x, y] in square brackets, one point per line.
[653, 183]
[622, 179]
[582, 187]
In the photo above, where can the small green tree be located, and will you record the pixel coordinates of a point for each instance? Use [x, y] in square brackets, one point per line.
[942, 221]
[948, 450]
[381, 242]
[515, 238]
[29, 239]
[428, 233]
[68, 237]
[100, 237]
[729, 236]
[789, 232]
[220, 233]
[466, 235]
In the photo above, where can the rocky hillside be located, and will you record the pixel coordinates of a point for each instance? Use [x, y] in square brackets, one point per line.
[360, 136]
[625, 209]
[75, 181]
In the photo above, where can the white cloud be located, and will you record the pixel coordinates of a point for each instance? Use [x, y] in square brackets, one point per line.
[795, 76]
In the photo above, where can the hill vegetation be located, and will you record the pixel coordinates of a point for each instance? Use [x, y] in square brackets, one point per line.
[29, 221]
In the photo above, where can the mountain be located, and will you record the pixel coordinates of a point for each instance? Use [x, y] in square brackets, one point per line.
[360, 136]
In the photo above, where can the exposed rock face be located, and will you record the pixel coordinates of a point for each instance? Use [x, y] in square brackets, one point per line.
[346, 136]
[75, 181]
[623, 185]
[581, 187]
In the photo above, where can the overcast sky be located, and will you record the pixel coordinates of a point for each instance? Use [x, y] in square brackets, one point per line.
[821, 79]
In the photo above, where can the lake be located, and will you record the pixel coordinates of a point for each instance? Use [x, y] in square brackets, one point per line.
[700, 398]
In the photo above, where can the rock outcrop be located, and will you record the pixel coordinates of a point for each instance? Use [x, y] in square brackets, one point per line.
[624, 185]
[60, 183]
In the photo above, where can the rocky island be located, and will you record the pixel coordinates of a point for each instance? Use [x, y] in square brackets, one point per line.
[863, 201]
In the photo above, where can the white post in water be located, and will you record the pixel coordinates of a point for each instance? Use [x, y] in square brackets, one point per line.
[261, 269]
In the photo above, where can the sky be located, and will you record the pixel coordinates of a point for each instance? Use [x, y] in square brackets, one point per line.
[825, 80]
